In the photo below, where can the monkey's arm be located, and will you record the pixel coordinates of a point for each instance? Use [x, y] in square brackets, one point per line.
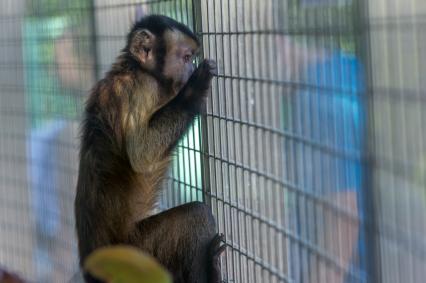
[172, 121]
[193, 95]
[169, 123]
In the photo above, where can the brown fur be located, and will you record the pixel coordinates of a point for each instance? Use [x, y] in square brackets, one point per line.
[134, 118]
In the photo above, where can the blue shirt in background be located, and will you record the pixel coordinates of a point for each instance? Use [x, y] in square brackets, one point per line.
[327, 114]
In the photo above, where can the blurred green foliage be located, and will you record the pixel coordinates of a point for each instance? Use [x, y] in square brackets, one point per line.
[56, 7]
[46, 23]
[331, 24]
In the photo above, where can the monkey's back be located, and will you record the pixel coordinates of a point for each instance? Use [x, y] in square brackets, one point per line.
[103, 180]
[111, 197]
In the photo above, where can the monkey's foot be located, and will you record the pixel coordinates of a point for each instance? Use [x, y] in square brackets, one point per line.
[217, 247]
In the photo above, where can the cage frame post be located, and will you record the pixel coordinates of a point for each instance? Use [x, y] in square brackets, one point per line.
[363, 50]
[206, 185]
[96, 69]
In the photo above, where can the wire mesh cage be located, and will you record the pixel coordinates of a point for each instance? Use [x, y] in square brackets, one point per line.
[311, 153]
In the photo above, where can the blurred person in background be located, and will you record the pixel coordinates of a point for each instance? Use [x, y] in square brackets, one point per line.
[56, 80]
[324, 109]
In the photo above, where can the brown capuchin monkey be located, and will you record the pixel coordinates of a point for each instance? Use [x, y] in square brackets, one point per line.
[134, 118]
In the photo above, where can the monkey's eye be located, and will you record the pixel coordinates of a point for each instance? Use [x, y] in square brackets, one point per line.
[187, 58]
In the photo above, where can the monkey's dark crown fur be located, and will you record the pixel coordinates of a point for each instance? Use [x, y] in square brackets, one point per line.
[158, 24]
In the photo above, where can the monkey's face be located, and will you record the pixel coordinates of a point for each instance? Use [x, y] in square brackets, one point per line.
[178, 62]
[169, 54]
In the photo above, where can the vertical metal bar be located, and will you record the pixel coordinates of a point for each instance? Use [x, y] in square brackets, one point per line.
[233, 50]
[320, 186]
[240, 90]
[339, 122]
[253, 186]
[96, 67]
[221, 158]
[205, 164]
[225, 156]
[369, 221]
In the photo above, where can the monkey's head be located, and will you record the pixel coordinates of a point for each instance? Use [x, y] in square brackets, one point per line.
[163, 47]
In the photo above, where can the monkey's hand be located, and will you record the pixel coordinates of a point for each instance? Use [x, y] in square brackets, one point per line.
[195, 91]
[203, 75]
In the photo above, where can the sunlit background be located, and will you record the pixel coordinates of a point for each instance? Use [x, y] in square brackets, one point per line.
[312, 154]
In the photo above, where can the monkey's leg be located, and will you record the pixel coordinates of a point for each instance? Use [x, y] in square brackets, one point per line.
[182, 239]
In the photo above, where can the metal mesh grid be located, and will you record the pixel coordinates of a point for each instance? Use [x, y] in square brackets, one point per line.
[311, 153]
[282, 168]
[397, 41]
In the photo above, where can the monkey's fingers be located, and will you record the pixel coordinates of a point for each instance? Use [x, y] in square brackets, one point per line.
[217, 246]
[208, 68]
[199, 83]
[212, 66]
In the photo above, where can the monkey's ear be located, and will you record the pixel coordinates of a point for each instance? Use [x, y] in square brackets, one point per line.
[141, 45]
